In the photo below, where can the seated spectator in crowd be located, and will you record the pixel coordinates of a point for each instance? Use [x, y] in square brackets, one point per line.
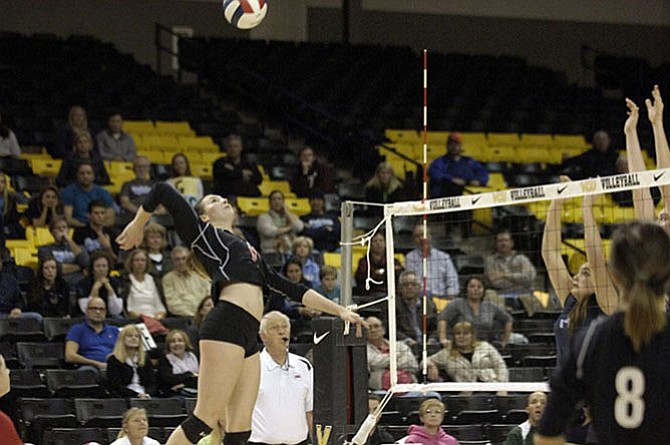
[193, 331]
[233, 176]
[507, 271]
[183, 286]
[7, 429]
[90, 342]
[155, 243]
[95, 235]
[183, 180]
[292, 270]
[384, 187]
[99, 284]
[11, 227]
[77, 123]
[409, 311]
[133, 192]
[129, 370]
[321, 226]
[178, 368]
[143, 297]
[134, 429]
[114, 144]
[523, 434]
[379, 358]
[278, 226]
[442, 278]
[376, 269]
[44, 207]
[600, 160]
[72, 258]
[450, 173]
[329, 286]
[49, 294]
[77, 197]
[311, 174]
[302, 251]
[468, 360]
[379, 435]
[491, 322]
[82, 152]
[9, 145]
[11, 301]
[430, 432]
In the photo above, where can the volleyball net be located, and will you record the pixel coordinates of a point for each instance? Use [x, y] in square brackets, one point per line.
[475, 264]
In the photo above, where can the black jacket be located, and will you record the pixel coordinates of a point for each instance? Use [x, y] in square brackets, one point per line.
[120, 375]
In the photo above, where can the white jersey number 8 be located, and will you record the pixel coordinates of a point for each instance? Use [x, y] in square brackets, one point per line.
[629, 404]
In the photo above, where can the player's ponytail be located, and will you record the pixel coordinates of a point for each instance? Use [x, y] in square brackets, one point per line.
[640, 259]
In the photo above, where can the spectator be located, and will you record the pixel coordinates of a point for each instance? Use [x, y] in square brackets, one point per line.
[12, 227]
[99, 284]
[523, 434]
[600, 160]
[9, 145]
[7, 430]
[114, 144]
[178, 368]
[155, 243]
[302, 251]
[450, 173]
[11, 301]
[409, 311]
[77, 197]
[431, 413]
[311, 174]
[184, 287]
[321, 226]
[134, 429]
[82, 152]
[329, 286]
[442, 278]
[129, 370]
[49, 294]
[44, 207]
[143, 295]
[384, 187]
[379, 435]
[509, 272]
[278, 226]
[379, 358]
[468, 360]
[371, 279]
[94, 235]
[286, 390]
[77, 124]
[233, 176]
[72, 258]
[183, 181]
[133, 192]
[90, 342]
[292, 270]
[193, 331]
[490, 321]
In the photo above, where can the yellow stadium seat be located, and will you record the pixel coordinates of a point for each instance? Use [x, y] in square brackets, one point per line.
[399, 166]
[267, 187]
[397, 135]
[299, 206]
[40, 236]
[253, 206]
[140, 127]
[333, 259]
[198, 143]
[209, 157]
[161, 142]
[202, 170]
[114, 188]
[478, 139]
[499, 154]
[411, 150]
[20, 244]
[31, 156]
[544, 155]
[46, 167]
[571, 140]
[497, 181]
[536, 140]
[474, 151]
[155, 156]
[117, 168]
[174, 128]
[503, 139]
[24, 257]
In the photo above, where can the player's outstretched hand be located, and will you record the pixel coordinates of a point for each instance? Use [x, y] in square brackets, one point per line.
[131, 236]
[353, 317]
[633, 115]
[655, 108]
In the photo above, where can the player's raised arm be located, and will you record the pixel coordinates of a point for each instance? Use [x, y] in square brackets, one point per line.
[655, 114]
[642, 202]
[559, 276]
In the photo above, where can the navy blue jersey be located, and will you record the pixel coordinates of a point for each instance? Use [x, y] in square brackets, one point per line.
[628, 392]
[562, 328]
[226, 257]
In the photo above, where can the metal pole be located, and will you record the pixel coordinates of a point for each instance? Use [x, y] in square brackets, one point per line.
[346, 266]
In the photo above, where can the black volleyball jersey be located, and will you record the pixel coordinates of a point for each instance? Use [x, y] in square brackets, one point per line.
[628, 392]
[225, 256]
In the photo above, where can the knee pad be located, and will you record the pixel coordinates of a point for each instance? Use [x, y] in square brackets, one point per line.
[240, 438]
[195, 429]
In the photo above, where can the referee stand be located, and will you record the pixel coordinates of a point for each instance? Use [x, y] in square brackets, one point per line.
[340, 381]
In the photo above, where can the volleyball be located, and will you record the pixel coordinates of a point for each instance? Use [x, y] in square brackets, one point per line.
[245, 14]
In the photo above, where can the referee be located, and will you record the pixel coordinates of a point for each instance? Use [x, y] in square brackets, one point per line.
[283, 411]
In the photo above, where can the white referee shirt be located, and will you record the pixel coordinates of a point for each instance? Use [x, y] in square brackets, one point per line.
[285, 395]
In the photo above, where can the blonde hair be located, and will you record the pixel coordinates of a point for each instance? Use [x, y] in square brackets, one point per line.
[640, 259]
[83, 135]
[132, 412]
[465, 326]
[70, 119]
[427, 404]
[153, 228]
[128, 263]
[394, 183]
[120, 351]
[303, 241]
[172, 334]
